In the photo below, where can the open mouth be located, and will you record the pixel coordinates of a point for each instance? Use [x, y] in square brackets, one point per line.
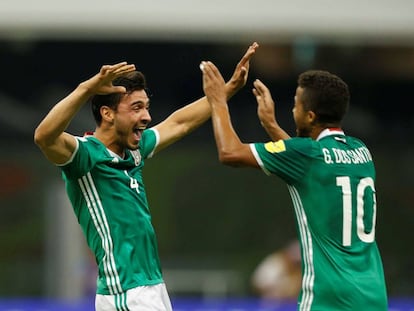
[138, 133]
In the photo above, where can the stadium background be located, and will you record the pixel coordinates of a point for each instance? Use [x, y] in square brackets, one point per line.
[214, 223]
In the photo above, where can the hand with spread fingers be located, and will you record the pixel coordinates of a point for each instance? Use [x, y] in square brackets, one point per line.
[101, 83]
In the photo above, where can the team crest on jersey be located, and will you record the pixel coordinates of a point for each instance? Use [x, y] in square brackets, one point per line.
[275, 147]
[137, 156]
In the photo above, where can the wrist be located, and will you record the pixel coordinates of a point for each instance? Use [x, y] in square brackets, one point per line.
[85, 89]
[269, 124]
[231, 89]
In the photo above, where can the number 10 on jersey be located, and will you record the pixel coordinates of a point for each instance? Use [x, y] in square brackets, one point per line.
[347, 196]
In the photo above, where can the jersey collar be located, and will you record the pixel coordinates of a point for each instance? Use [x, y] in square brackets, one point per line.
[330, 131]
[113, 154]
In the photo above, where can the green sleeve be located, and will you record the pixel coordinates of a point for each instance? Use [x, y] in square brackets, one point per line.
[87, 153]
[289, 159]
[149, 141]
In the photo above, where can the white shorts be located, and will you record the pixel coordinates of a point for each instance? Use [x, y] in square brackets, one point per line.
[142, 298]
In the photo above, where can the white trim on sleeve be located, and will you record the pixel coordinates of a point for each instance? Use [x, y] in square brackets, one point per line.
[74, 151]
[258, 159]
[157, 141]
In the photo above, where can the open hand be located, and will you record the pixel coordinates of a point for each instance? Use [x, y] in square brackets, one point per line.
[213, 83]
[240, 74]
[265, 103]
[101, 83]
[266, 111]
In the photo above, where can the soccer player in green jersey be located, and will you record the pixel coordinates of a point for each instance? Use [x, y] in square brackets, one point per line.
[104, 182]
[331, 180]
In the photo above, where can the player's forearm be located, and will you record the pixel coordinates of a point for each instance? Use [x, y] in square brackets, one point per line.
[275, 131]
[232, 87]
[60, 116]
[225, 136]
[198, 112]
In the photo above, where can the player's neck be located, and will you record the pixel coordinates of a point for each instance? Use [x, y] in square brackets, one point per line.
[316, 130]
[109, 139]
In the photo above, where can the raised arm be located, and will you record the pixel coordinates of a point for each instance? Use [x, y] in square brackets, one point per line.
[186, 119]
[231, 151]
[50, 135]
[266, 111]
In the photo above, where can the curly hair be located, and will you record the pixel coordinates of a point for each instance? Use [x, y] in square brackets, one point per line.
[325, 94]
[132, 81]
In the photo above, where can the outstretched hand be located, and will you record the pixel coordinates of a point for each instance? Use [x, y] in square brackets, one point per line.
[240, 74]
[101, 83]
[213, 83]
[266, 111]
[265, 103]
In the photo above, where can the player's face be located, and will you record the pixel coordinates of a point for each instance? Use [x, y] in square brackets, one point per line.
[131, 118]
[301, 117]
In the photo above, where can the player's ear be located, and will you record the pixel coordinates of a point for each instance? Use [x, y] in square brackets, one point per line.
[107, 114]
[311, 116]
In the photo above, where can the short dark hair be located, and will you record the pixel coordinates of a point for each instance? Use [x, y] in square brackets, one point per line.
[325, 94]
[132, 81]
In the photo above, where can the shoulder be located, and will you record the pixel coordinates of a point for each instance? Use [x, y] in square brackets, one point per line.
[149, 141]
[88, 146]
[150, 133]
[287, 145]
[304, 145]
[90, 142]
[355, 140]
[300, 141]
[89, 152]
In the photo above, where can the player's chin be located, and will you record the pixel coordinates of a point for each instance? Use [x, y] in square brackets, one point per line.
[133, 145]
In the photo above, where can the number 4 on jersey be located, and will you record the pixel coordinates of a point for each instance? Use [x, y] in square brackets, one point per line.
[133, 182]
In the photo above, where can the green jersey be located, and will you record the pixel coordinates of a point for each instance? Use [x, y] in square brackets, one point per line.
[331, 181]
[108, 196]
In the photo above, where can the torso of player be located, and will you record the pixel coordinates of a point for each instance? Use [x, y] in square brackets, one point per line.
[332, 185]
[109, 199]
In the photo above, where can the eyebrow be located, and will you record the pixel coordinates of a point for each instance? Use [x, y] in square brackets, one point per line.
[141, 102]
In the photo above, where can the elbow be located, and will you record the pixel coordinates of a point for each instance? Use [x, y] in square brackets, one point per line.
[234, 155]
[229, 159]
[37, 137]
[40, 138]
